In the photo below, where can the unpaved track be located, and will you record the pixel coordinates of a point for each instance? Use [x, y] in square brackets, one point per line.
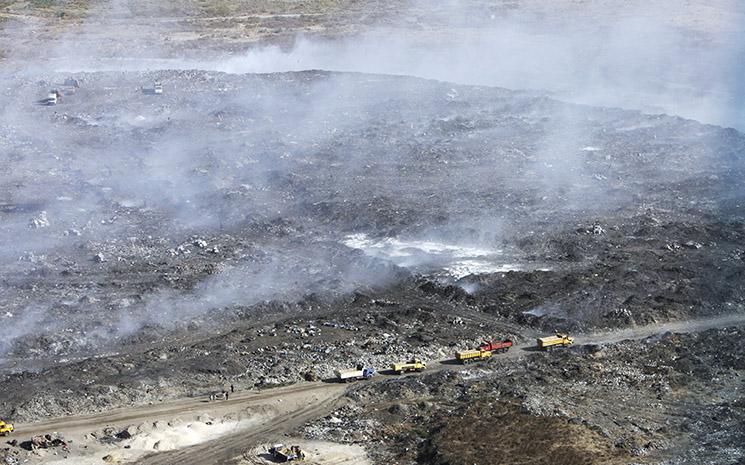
[641, 332]
[321, 398]
[228, 449]
[688, 326]
[149, 413]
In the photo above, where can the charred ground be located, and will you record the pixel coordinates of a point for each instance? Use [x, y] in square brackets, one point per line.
[123, 202]
[201, 237]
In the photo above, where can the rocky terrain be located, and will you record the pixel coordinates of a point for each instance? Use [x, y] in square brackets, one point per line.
[669, 399]
[161, 233]
[262, 230]
[313, 229]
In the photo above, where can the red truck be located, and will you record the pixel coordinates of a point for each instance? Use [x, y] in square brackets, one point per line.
[502, 346]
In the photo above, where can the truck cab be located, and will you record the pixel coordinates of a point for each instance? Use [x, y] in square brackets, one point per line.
[5, 428]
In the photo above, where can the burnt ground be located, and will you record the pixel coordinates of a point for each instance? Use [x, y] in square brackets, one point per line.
[202, 237]
[130, 213]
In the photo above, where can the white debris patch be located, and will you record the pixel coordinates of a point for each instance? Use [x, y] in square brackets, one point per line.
[39, 221]
[147, 438]
[464, 268]
[316, 452]
[163, 437]
[454, 259]
[413, 252]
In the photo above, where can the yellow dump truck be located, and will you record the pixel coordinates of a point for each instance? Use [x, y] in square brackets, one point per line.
[412, 365]
[5, 428]
[470, 356]
[556, 341]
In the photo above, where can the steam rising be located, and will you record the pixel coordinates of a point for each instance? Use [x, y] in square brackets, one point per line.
[145, 176]
[631, 54]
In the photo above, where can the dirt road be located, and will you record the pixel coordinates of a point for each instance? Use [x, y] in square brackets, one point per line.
[688, 326]
[269, 411]
[642, 332]
[227, 449]
[166, 410]
[284, 409]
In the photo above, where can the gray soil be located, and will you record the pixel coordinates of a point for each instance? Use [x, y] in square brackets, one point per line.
[268, 229]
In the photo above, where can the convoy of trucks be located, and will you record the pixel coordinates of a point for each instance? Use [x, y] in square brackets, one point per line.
[484, 352]
[54, 96]
[360, 372]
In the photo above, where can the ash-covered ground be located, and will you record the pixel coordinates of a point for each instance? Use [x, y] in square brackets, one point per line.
[134, 214]
[268, 229]
[143, 223]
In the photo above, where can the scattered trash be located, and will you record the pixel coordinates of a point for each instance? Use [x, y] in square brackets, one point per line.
[282, 453]
[46, 441]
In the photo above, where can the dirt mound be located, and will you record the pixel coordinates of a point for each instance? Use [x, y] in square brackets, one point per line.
[484, 430]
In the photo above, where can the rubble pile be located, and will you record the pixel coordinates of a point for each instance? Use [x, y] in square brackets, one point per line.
[10, 456]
